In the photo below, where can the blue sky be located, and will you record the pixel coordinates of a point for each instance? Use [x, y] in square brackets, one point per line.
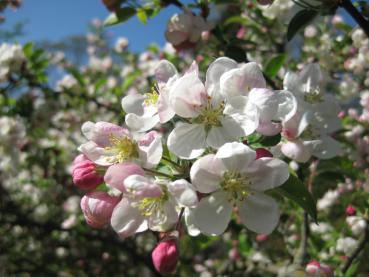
[56, 19]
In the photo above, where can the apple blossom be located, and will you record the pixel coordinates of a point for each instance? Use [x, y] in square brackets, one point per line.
[146, 111]
[184, 30]
[11, 59]
[110, 144]
[234, 178]
[97, 207]
[151, 204]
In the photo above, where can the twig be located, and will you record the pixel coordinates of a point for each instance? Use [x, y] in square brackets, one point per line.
[356, 15]
[363, 240]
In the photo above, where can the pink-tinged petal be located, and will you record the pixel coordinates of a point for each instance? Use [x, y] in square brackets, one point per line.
[193, 69]
[98, 155]
[206, 174]
[141, 186]
[236, 156]
[259, 213]
[296, 151]
[267, 173]
[187, 96]
[132, 103]
[267, 102]
[127, 220]
[165, 112]
[116, 174]
[213, 214]
[150, 149]
[101, 132]
[269, 128]
[97, 207]
[147, 138]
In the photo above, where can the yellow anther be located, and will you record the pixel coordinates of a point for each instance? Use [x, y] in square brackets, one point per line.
[152, 97]
[123, 149]
[236, 185]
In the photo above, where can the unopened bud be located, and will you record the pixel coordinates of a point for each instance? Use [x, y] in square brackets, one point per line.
[262, 153]
[165, 255]
[350, 210]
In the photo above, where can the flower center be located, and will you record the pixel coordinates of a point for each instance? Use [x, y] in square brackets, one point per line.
[153, 205]
[236, 185]
[313, 96]
[310, 132]
[210, 116]
[152, 97]
[124, 148]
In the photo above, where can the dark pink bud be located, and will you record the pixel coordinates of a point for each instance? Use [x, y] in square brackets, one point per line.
[313, 268]
[165, 256]
[261, 237]
[84, 173]
[262, 153]
[350, 210]
[97, 207]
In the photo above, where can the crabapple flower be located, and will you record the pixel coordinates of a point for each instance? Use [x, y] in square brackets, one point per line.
[210, 120]
[235, 179]
[146, 111]
[151, 204]
[11, 59]
[111, 144]
[85, 173]
[357, 224]
[165, 256]
[308, 131]
[184, 30]
[346, 245]
[97, 207]
[316, 269]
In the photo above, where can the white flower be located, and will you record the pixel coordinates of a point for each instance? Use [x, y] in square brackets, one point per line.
[186, 28]
[11, 59]
[110, 144]
[346, 245]
[67, 82]
[151, 204]
[121, 44]
[307, 132]
[327, 200]
[210, 121]
[234, 178]
[145, 111]
[357, 224]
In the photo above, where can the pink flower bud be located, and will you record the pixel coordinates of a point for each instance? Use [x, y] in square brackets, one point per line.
[116, 174]
[261, 237]
[84, 173]
[165, 256]
[97, 207]
[234, 254]
[314, 268]
[350, 210]
[262, 153]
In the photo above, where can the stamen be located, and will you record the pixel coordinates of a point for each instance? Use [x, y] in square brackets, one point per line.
[152, 97]
[210, 116]
[236, 185]
[124, 149]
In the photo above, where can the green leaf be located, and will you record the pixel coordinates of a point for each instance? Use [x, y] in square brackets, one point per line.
[119, 16]
[28, 49]
[270, 140]
[141, 15]
[300, 20]
[274, 65]
[295, 190]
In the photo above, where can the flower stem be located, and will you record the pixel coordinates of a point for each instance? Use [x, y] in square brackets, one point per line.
[158, 173]
[356, 15]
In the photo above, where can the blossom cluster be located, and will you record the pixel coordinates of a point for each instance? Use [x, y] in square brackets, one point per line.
[198, 164]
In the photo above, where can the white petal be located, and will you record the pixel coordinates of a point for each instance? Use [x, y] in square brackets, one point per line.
[187, 141]
[296, 150]
[259, 213]
[132, 103]
[140, 186]
[267, 173]
[184, 192]
[212, 214]
[269, 128]
[187, 96]
[236, 156]
[215, 71]
[97, 154]
[151, 155]
[217, 136]
[141, 123]
[267, 102]
[287, 105]
[88, 129]
[164, 70]
[206, 173]
[164, 219]
[325, 148]
[126, 220]
[193, 231]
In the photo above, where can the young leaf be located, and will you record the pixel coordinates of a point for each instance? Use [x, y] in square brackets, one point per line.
[295, 190]
[300, 20]
[274, 65]
[141, 15]
[119, 16]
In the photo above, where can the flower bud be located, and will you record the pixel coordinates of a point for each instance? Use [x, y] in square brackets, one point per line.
[84, 173]
[112, 5]
[165, 255]
[97, 207]
[262, 153]
[116, 174]
[350, 210]
[314, 268]
[261, 237]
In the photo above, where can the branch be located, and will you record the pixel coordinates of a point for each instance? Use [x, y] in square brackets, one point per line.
[356, 15]
[363, 241]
